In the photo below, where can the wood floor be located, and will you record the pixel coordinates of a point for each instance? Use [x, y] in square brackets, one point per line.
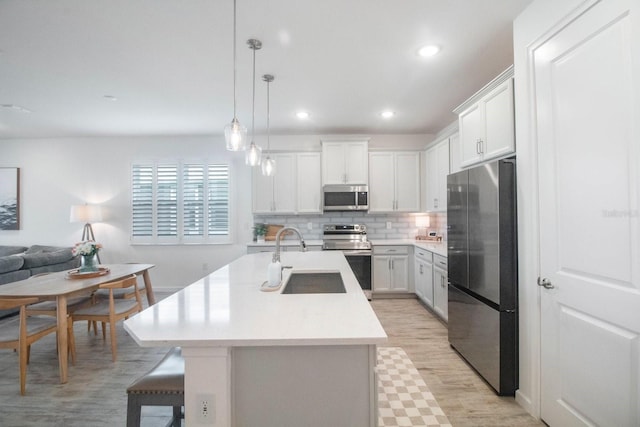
[463, 396]
[95, 394]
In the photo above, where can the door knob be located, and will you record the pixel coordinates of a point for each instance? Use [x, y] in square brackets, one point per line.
[545, 283]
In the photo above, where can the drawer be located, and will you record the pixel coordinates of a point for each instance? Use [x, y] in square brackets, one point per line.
[391, 250]
[440, 261]
[423, 255]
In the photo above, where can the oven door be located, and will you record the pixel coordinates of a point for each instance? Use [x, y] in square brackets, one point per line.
[360, 262]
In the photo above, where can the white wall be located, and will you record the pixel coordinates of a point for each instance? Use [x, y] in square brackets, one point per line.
[530, 29]
[59, 172]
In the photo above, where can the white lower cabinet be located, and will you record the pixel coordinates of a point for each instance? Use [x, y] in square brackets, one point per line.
[423, 276]
[440, 286]
[390, 268]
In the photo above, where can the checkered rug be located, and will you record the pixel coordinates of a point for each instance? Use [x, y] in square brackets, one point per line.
[403, 397]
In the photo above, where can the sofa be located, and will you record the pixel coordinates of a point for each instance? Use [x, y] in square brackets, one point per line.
[21, 262]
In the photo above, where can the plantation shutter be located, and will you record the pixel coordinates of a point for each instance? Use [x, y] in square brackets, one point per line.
[167, 201]
[142, 201]
[193, 200]
[218, 199]
[180, 203]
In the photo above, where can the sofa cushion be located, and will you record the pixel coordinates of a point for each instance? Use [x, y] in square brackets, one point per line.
[10, 263]
[39, 259]
[11, 250]
[34, 249]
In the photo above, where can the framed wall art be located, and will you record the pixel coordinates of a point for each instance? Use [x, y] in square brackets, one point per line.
[9, 198]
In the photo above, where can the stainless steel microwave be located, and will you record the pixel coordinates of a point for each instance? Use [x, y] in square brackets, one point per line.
[339, 197]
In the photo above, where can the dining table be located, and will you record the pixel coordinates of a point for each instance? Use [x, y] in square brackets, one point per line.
[59, 286]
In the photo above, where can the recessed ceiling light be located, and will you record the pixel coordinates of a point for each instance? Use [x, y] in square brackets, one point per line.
[387, 114]
[429, 50]
[302, 115]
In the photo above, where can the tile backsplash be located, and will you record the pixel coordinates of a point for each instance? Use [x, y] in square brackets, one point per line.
[403, 225]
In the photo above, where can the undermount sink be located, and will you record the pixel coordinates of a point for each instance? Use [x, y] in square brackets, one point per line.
[314, 282]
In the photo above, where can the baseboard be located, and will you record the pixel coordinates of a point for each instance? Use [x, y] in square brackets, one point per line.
[390, 295]
[526, 403]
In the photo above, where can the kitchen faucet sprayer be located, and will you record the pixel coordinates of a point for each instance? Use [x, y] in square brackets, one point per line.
[303, 245]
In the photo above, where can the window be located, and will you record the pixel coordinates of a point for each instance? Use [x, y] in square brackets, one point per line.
[180, 203]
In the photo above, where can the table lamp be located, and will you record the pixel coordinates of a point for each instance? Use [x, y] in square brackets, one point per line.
[87, 214]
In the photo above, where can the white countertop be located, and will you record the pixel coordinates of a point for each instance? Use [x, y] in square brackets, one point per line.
[439, 248]
[227, 309]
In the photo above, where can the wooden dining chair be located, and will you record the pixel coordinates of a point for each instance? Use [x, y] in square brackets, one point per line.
[19, 332]
[110, 310]
[50, 308]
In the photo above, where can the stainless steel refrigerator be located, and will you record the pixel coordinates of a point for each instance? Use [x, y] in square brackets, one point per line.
[482, 258]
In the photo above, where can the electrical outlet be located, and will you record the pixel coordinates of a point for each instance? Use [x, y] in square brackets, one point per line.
[206, 409]
[309, 226]
[388, 225]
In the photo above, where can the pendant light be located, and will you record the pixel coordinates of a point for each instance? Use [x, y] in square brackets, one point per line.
[268, 164]
[254, 152]
[235, 134]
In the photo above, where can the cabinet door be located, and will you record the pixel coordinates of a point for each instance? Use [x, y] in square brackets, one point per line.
[440, 293]
[381, 182]
[428, 284]
[356, 164]
[407, 182]
[442, 154]
[471, 123]
[381, 273]
[431, 163]
[333, 163]
[262, 190]
[285, 184]
[400, 273]
[499, 137]
[454, 153]
[309, 183]
[418, 277]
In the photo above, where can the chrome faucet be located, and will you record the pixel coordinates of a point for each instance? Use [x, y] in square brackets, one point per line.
[303, 246]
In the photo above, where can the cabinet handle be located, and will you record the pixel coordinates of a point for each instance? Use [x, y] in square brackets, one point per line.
[435, 202]
[389, 264]
[477, 146]
[481, 146]
[421, 272]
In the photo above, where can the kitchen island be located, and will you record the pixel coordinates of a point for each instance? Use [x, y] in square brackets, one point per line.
[266, 358]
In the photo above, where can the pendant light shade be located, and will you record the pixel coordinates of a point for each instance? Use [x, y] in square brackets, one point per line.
[268, 164]
[253, 154]
[235, 134]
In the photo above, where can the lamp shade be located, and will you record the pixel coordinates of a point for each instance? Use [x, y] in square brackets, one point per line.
[85, 213]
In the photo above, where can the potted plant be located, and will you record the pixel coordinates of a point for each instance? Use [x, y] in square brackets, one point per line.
[260, 231]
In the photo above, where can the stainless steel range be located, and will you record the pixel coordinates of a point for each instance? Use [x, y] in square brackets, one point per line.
[351, 239]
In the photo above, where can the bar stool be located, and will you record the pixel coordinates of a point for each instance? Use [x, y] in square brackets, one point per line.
[161, 386]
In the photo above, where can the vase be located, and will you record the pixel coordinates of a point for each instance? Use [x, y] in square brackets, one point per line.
[260, 239]
[88, 263]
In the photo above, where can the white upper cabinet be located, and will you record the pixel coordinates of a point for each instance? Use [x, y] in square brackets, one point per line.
[394, 181]
[437, 169]
[345, 162]
[309, 183]
[486, 122]
[295, 188]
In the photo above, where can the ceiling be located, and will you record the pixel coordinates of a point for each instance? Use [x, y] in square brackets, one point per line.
[169, 64]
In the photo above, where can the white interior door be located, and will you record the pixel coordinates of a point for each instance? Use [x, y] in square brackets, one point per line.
[588, 136]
